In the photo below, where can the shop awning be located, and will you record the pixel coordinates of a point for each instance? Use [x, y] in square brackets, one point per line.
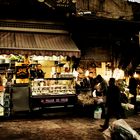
[37, 44]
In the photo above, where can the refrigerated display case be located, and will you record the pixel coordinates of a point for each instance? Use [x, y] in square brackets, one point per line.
[52, 92]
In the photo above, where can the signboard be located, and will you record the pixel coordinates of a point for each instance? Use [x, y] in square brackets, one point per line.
[62, 3]
[22, 72]
[54, 100]
[59, 3]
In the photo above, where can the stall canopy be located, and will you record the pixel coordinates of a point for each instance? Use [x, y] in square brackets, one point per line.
[37, 44]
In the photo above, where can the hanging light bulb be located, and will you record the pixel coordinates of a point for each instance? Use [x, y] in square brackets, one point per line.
[87, 73]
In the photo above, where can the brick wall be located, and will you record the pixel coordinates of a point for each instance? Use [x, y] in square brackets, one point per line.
[110, 8]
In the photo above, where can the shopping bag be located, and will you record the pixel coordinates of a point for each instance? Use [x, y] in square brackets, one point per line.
[122, 131]
[98, 113]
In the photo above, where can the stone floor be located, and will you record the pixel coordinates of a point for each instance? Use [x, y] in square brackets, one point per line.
[56, 127]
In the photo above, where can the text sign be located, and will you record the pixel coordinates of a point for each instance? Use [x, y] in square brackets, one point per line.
[56, 100]
[62, 3]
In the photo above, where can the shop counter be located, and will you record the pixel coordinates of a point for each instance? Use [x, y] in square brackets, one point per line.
[20, 95]
[52, 100]
[52, 92]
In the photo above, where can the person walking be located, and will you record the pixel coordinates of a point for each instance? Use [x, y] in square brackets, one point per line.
[113, 103]
[133, 90]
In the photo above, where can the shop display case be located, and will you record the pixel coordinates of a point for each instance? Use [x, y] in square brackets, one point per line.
[53, 92]
[53, 86]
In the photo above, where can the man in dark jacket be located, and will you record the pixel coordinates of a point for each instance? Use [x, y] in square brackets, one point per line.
[133, 90]
[113, 103]
[39, 71]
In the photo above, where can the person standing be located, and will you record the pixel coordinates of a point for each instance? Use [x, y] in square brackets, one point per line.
[89, 81]
[101, 88]
[113, 103]
[39, 71]
[133, 90]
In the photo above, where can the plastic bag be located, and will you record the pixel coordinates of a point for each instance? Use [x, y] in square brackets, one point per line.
[98, 113]
[120, 130]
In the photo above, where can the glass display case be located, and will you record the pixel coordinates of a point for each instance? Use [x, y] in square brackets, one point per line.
[53, 86]
[53, 92]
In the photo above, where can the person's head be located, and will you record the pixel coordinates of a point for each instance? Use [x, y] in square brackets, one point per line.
[131, 73]
[90, 75]
[39, 66]
[112, 81]
[99, 78]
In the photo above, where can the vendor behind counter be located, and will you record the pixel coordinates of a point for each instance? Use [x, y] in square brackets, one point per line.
[36, 71]
[39, 71]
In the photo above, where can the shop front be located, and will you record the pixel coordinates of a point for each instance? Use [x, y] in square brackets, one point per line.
[37, 70]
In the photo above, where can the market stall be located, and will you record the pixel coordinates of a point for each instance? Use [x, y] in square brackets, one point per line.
[40, 69]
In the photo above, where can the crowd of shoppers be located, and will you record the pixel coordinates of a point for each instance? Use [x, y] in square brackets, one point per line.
[109, 96]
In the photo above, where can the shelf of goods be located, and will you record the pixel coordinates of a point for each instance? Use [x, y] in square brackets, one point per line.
[1, 103]
[5, 66]
[53, 92]
[4, 104]
[7, 106]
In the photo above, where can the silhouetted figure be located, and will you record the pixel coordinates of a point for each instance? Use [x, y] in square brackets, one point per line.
[101, 89]
[39, 71]
[133, 90]
[33, 72]
[113, 103]
[101, 85]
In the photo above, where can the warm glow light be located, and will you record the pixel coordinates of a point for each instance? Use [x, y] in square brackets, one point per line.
[118, 74]
[136, 75]
[73, 1]
[87, 73]
[75, 73]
